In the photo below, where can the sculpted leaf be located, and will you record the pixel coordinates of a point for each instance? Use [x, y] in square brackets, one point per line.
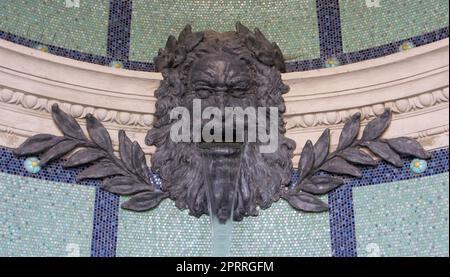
[58, 151]
[306, 160]
[321, 148]
[124, 185]
[340, 166]
[139, 162]
[171, 43]
[357, 156]
[184, 33]
[408, 146]
[349, 132]
[192, 40]
[179, 56]
[307, 202]
[144, 201]
[385, 152]
[279, 59]
[98, 133]
[126, 150]
[101, 169]
[242, 29]
[84, 156]
[158, 136]
[376, 127]
[37, 144]
[67, 124]
[320, 184]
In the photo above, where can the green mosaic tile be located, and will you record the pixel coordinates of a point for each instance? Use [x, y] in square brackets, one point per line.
[42, 218]
[83, 28]
[366, 26]
[283, 231]
[278, 231]
[292, 24]
[407, 218]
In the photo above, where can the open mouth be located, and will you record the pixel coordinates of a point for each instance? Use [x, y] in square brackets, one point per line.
[224, 146]
[221, 167]
[221, 148]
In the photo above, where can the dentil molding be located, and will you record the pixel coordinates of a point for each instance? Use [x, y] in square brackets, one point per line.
[414, 84]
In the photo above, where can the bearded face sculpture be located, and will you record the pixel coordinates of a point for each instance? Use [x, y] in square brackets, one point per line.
[230, 175]
[222, 70]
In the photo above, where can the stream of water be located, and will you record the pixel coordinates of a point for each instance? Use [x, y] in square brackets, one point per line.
[221, 237]
[222, 171]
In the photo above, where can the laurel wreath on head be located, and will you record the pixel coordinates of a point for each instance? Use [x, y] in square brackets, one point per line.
[176, 50]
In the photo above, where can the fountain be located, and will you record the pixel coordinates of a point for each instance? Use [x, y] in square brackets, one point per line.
[221, 163]
[226, 180]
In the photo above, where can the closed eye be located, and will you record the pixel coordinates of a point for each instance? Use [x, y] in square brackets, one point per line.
[203, 86]
[241, 84]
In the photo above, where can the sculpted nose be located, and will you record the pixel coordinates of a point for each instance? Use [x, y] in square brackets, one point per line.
[221, 103]
[221, 97]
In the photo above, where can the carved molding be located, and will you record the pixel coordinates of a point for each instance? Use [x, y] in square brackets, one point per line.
[413, 84]
[399, 106]
[42, 104]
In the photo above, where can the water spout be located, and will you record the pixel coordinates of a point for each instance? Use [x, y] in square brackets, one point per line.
[222, 163]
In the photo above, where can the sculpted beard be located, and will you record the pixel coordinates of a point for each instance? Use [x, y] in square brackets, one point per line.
[221, 75]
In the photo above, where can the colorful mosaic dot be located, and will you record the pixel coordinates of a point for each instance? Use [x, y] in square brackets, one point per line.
[116, 64]
[332, 62]
[42, 48]
[418, 166]
[32, 165]
[405, 46]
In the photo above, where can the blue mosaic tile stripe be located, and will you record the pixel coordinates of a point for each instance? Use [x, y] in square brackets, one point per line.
[55, 50]
[106, 204]
[342, 219]
[329, 22]
[11, 164]
[342, 229]
[304, 65]
[106, 217]
[119, 29]
[391, 48]
[140, 66]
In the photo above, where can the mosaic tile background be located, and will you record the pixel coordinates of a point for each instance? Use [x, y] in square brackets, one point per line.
[342, 217]
[104, 222]
[283, 231]
[82, 28]
[365, 26]
[42, 218]
[310, 32]
[292, 23]
[406, 218]
[116, 232]
[278, 231]
[164, 231]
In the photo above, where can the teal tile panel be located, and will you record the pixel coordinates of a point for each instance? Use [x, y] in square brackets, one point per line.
[42, 218]
[79, 25]
[369, 25]
[406, 218]
[278, 231]
[290, 23]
